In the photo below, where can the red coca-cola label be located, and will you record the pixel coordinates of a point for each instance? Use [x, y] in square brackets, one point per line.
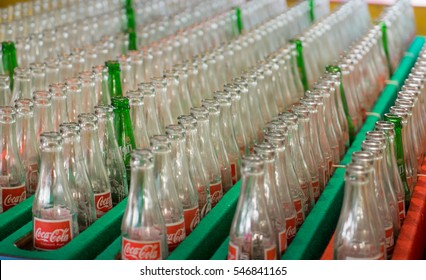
[32, 177]
[290, 224]
[216, 193]
[232, 252]
[234, 173]
[175, 234]
[316, 189]
[12, 196]
[390, 242]
[299, 212]
[282, 238]
[192, 218]
[140, 250]
[103, 203]
[271, 253]
[51, 234]
[401, 207]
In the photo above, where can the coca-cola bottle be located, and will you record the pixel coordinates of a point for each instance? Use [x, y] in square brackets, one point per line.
[196, 167]
[186, 188]
[170, 204]
[94, 163]
[54, 210]
[359, 232]
[42, 112]
[59, 104]
[111, 154]
[208, 154]
[12, 173]
[27, 143]
[138, 118]
[78, 179]
[252, 235]
[150, 109]
[143, 230]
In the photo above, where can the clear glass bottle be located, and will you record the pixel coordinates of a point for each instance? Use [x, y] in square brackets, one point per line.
[74, 98]
[150, 109]
[186, 188]
[59, 104]
[12, 178]
[137, 117]
[173, 96]
[252, 235]
[21, 84]
[101, 85]
[94, 163]
[88, 91]
[54, 210]
[143, 230]
[218, 144]
[226, 125]
[163, 102]
[5, 94]
[273, 199]
[359, 233]
[42, 112]
[38, 76]
[208, 154]
[27, 143]
[279, 139]
[111, 154]
[76, 174]
[170, 204]
[197, 170]
[395, 179]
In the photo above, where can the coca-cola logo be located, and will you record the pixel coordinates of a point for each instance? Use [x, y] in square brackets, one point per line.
[103, 202]
[291, 231]
[141, 251]
[216, 197]
[11, 200]
[176, 237]
[55, 236]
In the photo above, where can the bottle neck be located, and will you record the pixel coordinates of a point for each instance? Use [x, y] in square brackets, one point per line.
[26, 133]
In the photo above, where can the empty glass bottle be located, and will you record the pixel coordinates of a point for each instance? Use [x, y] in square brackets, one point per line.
[143, 230]
[94, 163]
[27, 143]
[74, 98]
[114, 78]
[5, 94]
[138, 118]
[12, 172]
[76, 174]
[150, 109]
[54, 210]
[59, 104]
[252, 235]
[170, 204]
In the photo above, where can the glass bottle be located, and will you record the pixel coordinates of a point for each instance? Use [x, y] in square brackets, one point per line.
[111, 154]
[21, 85]
[163, 102]
[275, 204]
[208, 154]
[38, 76]
[54, 210]
[252, 235]
[76, 174]
[400, 155]
[174, 100]
[123, 129]
[305, 143]
[150, 109]
[218, 144]
[74, 98]
[103, 96]
[27, 143]
[170, 204]
[114, 78]
[143, 230]
[385, 214]
[197, 171]
[59, 104]
[138, 118]
[227, 131]
[182, 74]
[299, 162]
[186, 188]
[289, 180]
[42, 112]
[359, 233]
[88, 91]
[395, 179]
[12, 172]
[95, 166]
[5, 94]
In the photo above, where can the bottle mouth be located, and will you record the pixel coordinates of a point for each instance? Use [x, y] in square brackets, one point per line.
[104, 111]
[160, 144]
[7, 114]
[87, 121]
[357, 172]
[187, 121]
[135, 97]
[50, 140]
[200, 113]
[147, 89]
[252, 164]
[24, 106]
[276, 138]
[121, 102]
[69, 129]
[376, 147]
[211, 105]
[142, 158]
[175, 132]
[222, 97]
[265, 151]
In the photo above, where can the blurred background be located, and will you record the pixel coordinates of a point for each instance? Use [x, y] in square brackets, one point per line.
[376, 7]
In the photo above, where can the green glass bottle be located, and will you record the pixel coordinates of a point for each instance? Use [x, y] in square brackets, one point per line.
[123, 129]
[114, 78]
[400, 158]
[9, 60]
